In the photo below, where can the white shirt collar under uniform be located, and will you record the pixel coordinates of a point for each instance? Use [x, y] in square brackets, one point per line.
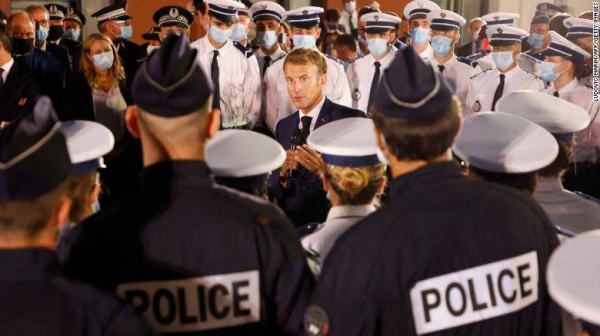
[314, 113]
[7, 66]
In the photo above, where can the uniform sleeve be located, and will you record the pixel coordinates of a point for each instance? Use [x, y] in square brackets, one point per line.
[341, 90]
[352, 77]
[272, 108]
[468, 102]
[253, 86]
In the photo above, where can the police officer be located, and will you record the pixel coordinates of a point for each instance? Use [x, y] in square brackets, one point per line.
[245, 168]
[239, 32]
[152, 38]
[304, 22]
[35, 298]
[297, 185]
[549, 9]
[267, 16]
[580, 32]
[114, 22]
[484, 58]
[420, 32]
[445, 29]
[514, 149]
[567, 210]
[539, 37]
[353, 179]
[364, 73]
[564, 62]
[172, 19]
[488, 86]
[190, 257]
[56, 29]
[424, 262]
[233, 69]
[73, 24]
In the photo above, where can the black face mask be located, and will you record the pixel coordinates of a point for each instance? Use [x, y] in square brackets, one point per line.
[22, 46]
[55, 32]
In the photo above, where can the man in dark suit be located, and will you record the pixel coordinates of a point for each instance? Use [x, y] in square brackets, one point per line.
[471, 47]
[114, 22]
[46, 67]
[18, 86]
[297, 184]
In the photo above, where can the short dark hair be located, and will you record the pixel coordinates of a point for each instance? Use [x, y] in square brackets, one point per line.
[332, 15]
[526, 182]
[425, 138]
[561, 163]
[345, 41]
[366, 10]
[5, 39]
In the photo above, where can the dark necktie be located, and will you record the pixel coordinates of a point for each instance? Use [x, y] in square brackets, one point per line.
[214, 75]
[442, 68]
[305, 128]
[555, 93]
[1, 79]
[351, 25]
[498, 93]
[266, 65]
[374, 84]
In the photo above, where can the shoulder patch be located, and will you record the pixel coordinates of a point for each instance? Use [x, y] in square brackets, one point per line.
[470, 62]
[477, 56]
[484, 71]
[564, 232]
[245, 51]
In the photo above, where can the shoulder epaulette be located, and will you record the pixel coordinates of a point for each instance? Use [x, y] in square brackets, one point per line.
[279, 59]
[333, 58]
[477, 56]
[483, 71]
[564, 232]
[587, 197]
[307, 229]
[399, 44]
[469, 62]
[245, 51]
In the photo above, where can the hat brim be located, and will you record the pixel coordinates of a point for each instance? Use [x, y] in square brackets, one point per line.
[503, 43]
[222, 17]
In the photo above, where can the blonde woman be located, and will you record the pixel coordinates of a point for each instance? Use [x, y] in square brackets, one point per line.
[98, 92]
[353, 179]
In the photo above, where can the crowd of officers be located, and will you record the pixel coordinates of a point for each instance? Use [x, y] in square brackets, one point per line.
[301, 172]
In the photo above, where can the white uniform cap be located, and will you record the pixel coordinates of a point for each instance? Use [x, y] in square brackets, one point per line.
[504, 34]
[560, 46]
[572, 276]
[267, 10]
[304, 16]
[504, 143]
[380, 20]
[500, 18]
[444, 20]
[87, 143]
[579, 28]
[556, 115]
[418, 9]
[225, 7]
[348, 142]
[241, 153]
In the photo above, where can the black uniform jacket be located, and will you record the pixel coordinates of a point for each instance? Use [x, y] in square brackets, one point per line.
[19, 92]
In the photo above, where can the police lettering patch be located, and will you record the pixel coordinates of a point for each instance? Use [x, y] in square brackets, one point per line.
[477, 106]
[195, 304]
[475, 294]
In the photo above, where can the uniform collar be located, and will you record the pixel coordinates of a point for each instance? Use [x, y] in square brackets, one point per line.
[449, 63]
[568, 88]
[277, 54]
[27, 264]
[508, 75]
[185, 171]
[208, 48]
[432, 174]
[387, 59]
[343, 211]
[548, 184]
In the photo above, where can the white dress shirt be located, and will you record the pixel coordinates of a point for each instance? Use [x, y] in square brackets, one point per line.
[566, 209]
[588, 140]
[345, 18]
[483, 86]
[486, 62]
[239, 82]
[260, 57]
[427, 54]
[339, 220]
[314, 114]
[7, 66]
[109, 110]
[279, 103]
[458, 73]
[360, 77]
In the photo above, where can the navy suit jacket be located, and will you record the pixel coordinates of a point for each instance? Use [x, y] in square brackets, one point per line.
[48, 71]
[304, 201]
[19, 92]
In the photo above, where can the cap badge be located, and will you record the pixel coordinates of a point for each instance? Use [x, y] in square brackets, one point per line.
[174, 12]
[496, 18]
[230, 7]
[126, 5]
[476, 106]
[443, 15]
[376, 17]
[420, 4]
[264, 6]
[53, 9]
[569, 24]
[304, 12]
[499, 30]
[70, 11]
[543, 6]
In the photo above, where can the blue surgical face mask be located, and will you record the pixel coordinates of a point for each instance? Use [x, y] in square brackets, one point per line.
[345, 65]
[104, 60]
[377, 46]
[362, 40]
[219, 35]
[126, 32]
[306, 41]
[41, 34]
[350, 7]
[547, 71]
[238, 32]
[441, 45]
[503, 59]
[71, 34]
[267, 38]
[536, 40]
[419, 35]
